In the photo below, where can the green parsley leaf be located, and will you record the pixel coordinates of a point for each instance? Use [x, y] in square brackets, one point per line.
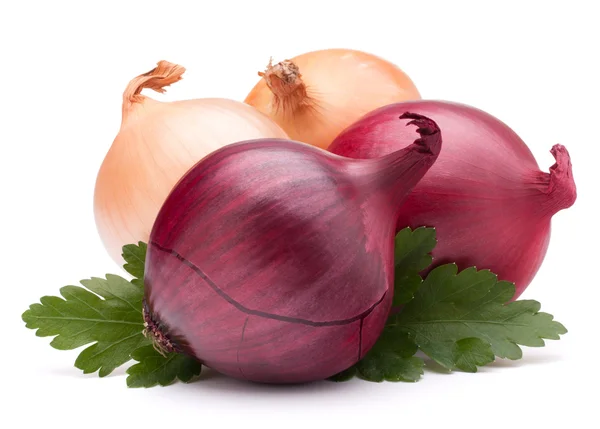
[390, 367]
[469, 353]
[155, 369]
[135, 260]
[106, 312]
[412, 255]
[450, 307]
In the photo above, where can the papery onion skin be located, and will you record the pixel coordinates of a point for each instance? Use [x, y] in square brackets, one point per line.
[486, 196]
[156, 144]
[272, 260]
[314, 96]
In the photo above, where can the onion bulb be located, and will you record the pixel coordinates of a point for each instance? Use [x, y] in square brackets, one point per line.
[156, 144]
[486, 196]
[273, 261]
[314, 96]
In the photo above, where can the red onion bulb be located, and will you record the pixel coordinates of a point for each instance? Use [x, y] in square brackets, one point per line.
[486, 196]
[272, 260]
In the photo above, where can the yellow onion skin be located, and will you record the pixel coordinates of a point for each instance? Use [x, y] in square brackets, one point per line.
[314, 96]
[156, 144]
[486, 196]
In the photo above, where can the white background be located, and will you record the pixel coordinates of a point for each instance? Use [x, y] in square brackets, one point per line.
[63, 67]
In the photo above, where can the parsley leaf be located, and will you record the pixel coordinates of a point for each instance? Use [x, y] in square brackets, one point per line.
[469, 353]
[135, 260]
[451, 307]
[412, 255]
[106, 312]
[155, 369]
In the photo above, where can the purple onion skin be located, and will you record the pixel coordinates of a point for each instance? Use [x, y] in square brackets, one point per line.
[486, 196]
[272, 260]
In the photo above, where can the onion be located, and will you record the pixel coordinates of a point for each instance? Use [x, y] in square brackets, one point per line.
[486, 196]
[272, 260]
[314, 96]
[157, 143]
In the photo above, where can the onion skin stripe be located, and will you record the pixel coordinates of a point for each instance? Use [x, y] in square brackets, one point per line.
[264, 314]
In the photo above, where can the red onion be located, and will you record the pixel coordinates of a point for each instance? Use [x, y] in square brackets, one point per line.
[486, 196]
[272, 260]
